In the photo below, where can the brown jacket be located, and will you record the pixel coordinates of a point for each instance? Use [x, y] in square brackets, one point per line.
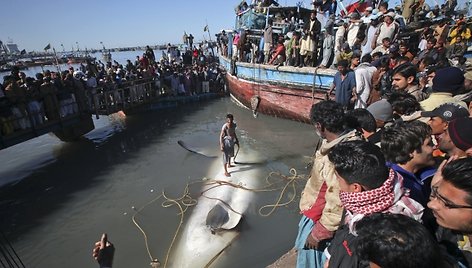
[323, 172]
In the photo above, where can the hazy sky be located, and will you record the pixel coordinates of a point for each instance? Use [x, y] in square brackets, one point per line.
[32, 24]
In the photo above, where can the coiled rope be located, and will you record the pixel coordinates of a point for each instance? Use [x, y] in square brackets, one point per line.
[184, 202]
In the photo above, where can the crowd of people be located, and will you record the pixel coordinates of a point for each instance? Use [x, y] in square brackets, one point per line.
[388, 189]
[322, 39]
[27, 102]
[391, 183]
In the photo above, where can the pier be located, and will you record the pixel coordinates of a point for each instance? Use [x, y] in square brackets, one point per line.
[129, 97]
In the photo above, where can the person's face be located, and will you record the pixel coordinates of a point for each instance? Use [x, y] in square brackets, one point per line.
[445, 143]
[437, 124]
[355, 61]
[344, 186]
[425, 157]
[403, 49]
[429, 79]
[388, 20]
[386, 43]
[467, 84]
[341, 69]
[430, 45]
[312, 16]
[458, 219]
[399, 82]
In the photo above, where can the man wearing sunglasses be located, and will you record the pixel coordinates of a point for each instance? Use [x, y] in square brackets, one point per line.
[451, 203]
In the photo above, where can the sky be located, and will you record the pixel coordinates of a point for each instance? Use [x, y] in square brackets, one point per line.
[33, 24]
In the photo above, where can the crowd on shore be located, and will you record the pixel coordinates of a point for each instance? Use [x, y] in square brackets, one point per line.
[27, 102]
[391, 182]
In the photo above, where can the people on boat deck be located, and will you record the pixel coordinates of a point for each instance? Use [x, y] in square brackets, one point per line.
[28, 102]
[228, 139]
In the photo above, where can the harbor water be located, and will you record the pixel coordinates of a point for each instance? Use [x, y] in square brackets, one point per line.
[57, 198]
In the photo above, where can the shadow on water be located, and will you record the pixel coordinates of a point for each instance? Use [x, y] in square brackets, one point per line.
[25, 204]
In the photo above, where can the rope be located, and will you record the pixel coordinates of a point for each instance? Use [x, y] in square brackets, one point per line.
[185, 201]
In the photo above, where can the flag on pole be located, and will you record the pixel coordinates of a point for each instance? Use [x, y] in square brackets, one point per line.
[47, 47]
[205, 29]
[358, 6]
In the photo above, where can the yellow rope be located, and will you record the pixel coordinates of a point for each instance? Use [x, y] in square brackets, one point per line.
[185, 201]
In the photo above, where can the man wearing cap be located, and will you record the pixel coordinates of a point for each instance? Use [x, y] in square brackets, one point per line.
[383, 114]
[446, 83]
[367, 18]
[389, 28]
[440, 117]
[371, 30]
[354, 26]
[457, 139]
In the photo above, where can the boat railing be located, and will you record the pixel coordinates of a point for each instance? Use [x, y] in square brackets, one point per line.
[129, 95]
[28, 120]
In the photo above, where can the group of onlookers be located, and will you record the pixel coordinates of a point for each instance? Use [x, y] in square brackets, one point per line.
[27, 102]
[322, 38]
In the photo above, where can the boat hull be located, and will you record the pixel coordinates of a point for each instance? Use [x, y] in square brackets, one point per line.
[284, 92]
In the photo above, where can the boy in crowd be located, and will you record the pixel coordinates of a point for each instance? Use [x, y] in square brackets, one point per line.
[366, 186]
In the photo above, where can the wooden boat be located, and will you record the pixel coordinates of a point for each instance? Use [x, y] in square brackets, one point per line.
[284, 92]
[280, 91]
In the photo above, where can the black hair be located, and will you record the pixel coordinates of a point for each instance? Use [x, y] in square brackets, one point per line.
[396, 240]
[403, 58]
[360, 119]
[230, 116]
[403, 103]
[359, 162]
[377, 54]
[383, 4]
[433, 40]
[329, 114]
[406, 70]
[366, 58]
[427, 61]
[401, 139]
[458, 173]
[343, 63]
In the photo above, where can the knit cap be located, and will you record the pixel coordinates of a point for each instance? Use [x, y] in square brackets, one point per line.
[448, 79]
[460, 132]
[381, 110]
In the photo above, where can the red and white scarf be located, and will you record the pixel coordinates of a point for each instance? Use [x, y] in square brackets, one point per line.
[390, 197]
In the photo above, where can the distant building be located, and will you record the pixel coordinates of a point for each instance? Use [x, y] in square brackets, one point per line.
[12, 48]
[9, 48]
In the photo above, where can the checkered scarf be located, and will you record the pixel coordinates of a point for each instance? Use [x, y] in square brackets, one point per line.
[391, 197]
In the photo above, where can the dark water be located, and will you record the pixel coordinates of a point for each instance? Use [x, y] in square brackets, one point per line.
[57, 198]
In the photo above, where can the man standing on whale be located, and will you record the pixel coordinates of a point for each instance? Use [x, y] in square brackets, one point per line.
[228, 139]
